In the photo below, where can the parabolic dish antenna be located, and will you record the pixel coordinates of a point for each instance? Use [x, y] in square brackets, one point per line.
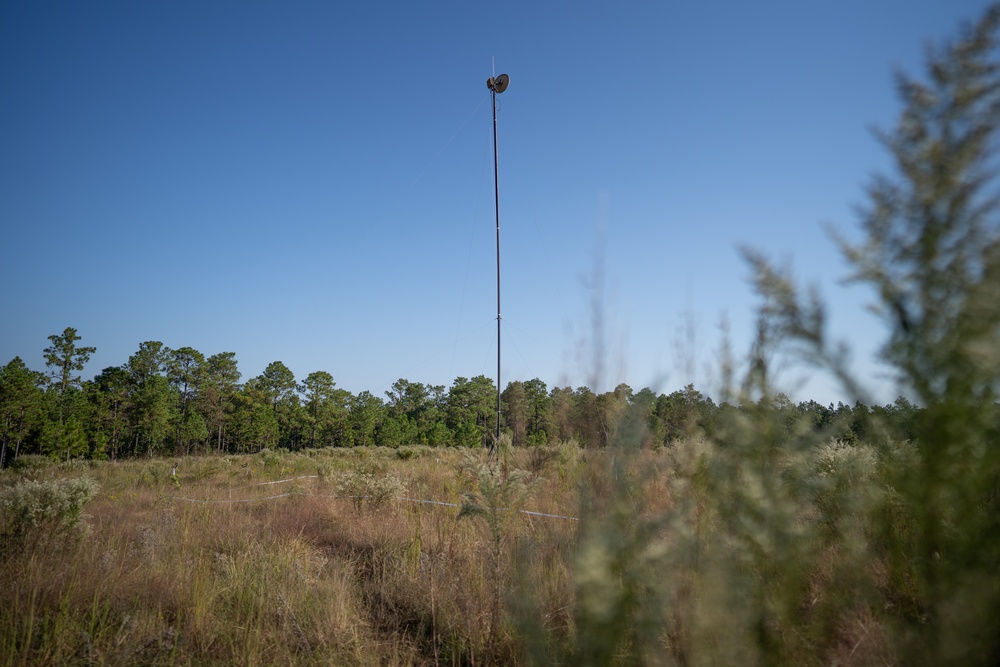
[499, 84]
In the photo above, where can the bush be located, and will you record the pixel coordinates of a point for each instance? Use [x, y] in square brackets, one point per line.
[26, 462]
[930, 251]
[846, 477]
[33, 512]
[368, 484]
[269, 459]
[407, 452]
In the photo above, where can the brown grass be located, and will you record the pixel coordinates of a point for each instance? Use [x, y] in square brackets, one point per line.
[302, 579]
[656, 571]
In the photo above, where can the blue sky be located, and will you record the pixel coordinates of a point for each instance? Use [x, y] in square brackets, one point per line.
[312, 182]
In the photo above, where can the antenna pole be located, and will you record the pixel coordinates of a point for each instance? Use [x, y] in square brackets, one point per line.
[496, 192]
[497, 85]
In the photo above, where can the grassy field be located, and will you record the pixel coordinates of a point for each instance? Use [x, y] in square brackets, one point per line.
[692, 554]
[263, 560]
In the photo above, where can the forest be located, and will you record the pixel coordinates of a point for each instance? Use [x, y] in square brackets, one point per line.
[177, 402]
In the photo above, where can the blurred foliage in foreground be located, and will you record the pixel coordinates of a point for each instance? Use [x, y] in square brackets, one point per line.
[786, 548]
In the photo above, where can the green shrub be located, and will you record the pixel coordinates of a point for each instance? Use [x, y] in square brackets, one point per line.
[269, 459]
[153, 474]
[33, 512]
[26, 462]
[406, 453]
[368, 484]
[846, 477]
[929, 250]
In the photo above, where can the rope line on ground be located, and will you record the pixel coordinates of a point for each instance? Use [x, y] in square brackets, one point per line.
[319, 495]
[232, 500]
[291, 479]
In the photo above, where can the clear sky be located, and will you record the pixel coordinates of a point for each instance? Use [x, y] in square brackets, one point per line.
[312, 182]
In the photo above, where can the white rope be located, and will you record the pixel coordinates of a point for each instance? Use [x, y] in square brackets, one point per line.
[551, 516]
[499, 509]
[317, 495]
[239, 500]
[281, 481]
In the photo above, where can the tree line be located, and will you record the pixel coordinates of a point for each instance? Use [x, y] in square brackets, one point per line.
[165, 401]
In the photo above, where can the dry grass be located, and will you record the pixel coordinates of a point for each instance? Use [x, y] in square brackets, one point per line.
[300, 579]
[668, 564]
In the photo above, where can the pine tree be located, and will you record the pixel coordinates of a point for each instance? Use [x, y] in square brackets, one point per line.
[64, 358]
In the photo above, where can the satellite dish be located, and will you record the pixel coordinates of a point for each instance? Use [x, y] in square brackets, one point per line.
[499, 84]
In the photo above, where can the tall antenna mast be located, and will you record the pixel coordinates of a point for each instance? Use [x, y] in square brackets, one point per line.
[497, 85]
